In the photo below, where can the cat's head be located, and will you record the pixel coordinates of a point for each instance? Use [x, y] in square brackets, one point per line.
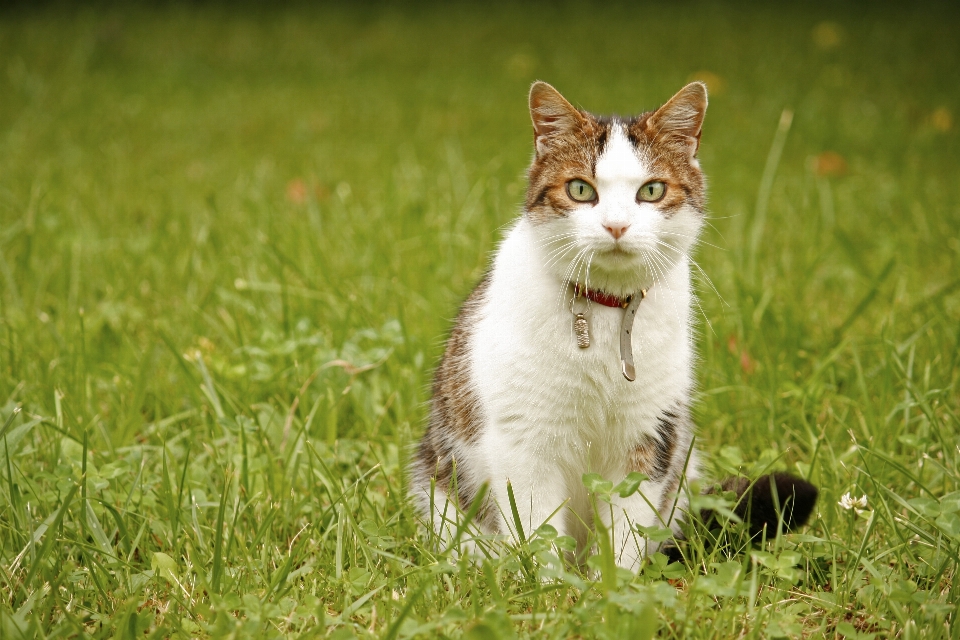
[616, 202]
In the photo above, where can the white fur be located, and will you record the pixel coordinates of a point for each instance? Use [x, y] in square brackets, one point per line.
[554, 412]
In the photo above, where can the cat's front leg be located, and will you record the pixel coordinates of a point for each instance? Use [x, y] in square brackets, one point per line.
[660, 504]
[621, 517]
[537, 484]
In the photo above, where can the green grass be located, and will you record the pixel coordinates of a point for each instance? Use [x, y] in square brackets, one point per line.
[232, 239]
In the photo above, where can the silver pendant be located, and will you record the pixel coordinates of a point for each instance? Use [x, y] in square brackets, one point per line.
[581, 328]
[626, 344]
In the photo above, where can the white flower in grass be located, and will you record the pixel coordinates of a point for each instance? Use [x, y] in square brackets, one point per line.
[849, 502]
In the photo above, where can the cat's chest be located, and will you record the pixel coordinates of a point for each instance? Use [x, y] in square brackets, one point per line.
[530, 368]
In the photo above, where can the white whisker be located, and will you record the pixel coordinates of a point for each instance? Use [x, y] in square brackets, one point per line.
[565, 282]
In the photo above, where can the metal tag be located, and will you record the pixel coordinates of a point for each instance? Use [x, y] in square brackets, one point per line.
[581, 328]
[626, 344]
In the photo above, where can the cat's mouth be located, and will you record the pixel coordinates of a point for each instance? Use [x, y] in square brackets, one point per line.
[618, 250]
[619, 257]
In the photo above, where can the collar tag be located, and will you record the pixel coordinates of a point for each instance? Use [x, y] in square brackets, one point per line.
[626, 342]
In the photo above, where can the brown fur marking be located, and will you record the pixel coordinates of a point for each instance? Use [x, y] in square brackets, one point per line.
[454, 407]
[667, 427]
[681, 450]
[641, 459]
[653, 456]
[668, 496]
[454, 412]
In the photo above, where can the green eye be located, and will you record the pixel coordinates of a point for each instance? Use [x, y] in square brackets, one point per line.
[581, 191]
[652, 191]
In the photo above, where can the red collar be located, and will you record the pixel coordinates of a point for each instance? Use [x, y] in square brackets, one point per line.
[600, 297]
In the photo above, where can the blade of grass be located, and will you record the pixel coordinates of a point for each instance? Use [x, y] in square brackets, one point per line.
[766, 188]
[50, 536]
[515, 514]
[218, 537]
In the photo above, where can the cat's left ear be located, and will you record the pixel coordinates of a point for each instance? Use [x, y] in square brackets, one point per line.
[682, 117]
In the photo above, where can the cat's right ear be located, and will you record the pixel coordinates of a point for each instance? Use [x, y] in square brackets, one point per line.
[553, 117]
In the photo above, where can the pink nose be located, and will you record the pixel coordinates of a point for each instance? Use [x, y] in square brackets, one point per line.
[616, 229]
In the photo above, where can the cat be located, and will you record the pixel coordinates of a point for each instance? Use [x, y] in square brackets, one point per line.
[575, 354]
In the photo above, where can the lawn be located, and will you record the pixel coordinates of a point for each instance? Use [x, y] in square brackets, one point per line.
[232, 240]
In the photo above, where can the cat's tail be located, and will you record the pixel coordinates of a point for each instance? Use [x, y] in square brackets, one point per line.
[777, 500]
[774, 502]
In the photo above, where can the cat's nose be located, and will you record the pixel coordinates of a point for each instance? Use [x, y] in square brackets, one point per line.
[616, 229]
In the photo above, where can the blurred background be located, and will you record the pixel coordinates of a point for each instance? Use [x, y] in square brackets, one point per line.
[233, 237]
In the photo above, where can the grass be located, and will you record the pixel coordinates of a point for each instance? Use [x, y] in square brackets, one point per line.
[231, 240]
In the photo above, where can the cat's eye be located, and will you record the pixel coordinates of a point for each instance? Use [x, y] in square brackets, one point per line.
[581, 191]
[652, 191]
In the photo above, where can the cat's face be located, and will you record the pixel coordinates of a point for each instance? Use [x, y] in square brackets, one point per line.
[616, 201]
